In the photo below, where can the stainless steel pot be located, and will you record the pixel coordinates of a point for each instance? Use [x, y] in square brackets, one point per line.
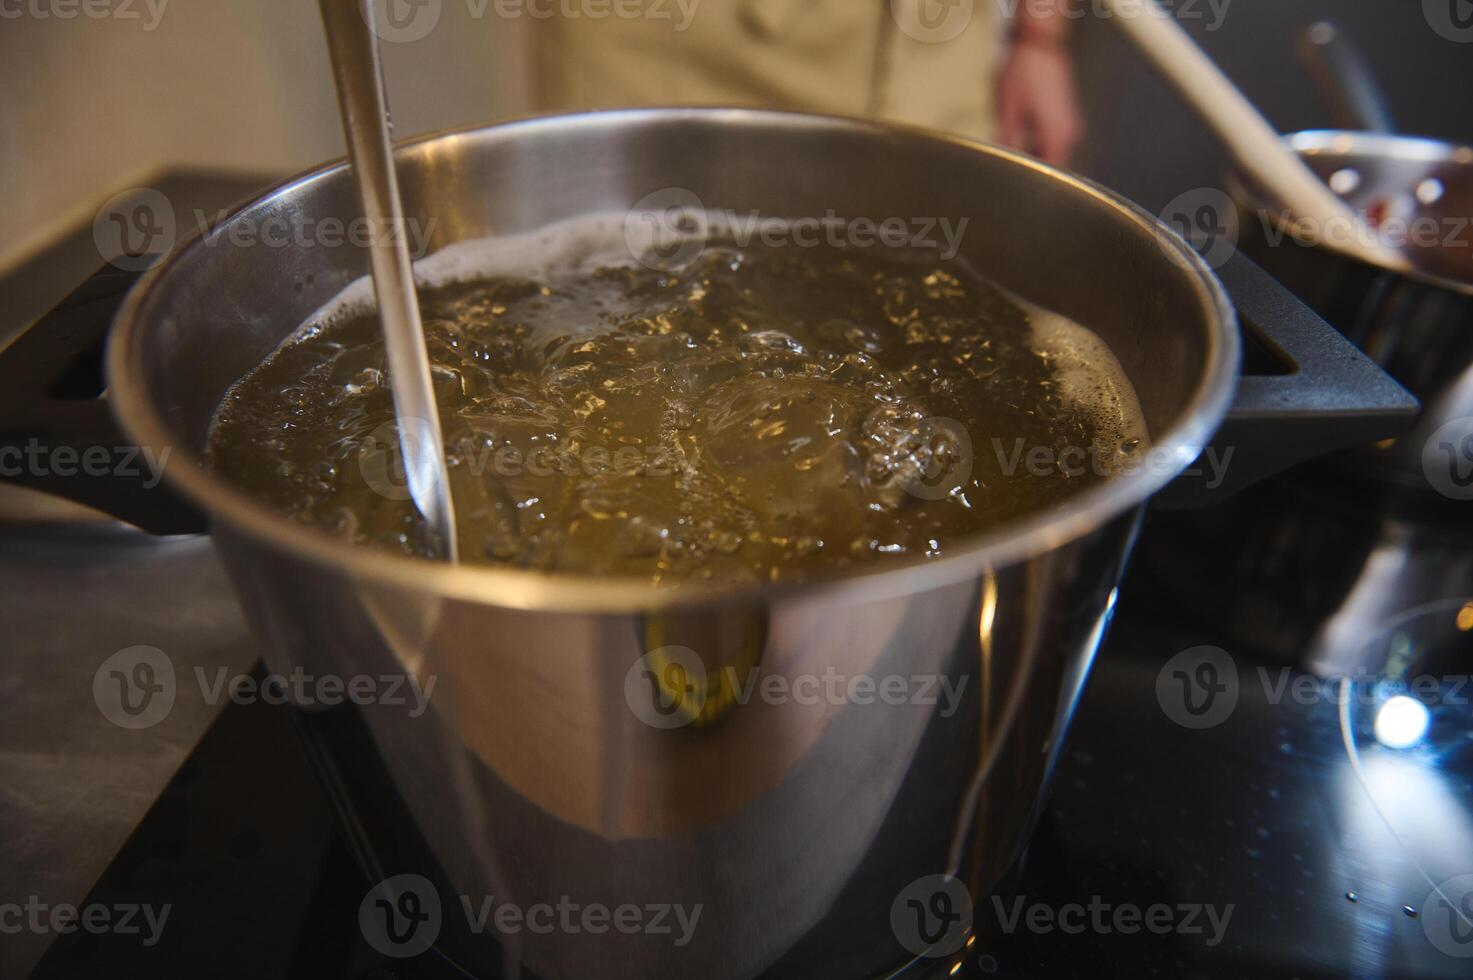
[547, 769]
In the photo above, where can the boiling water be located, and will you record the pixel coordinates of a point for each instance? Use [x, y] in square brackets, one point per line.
[758, 414]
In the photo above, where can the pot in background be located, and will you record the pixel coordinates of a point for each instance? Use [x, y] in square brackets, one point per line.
[1336, 548]
[1417, 324]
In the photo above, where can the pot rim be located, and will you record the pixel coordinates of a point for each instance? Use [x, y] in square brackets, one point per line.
[561, 592]
[1344, 142]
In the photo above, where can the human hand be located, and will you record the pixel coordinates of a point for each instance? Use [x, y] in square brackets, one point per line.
[1038, 110]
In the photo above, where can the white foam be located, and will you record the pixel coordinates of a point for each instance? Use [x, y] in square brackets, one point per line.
[1089, 375]
[576, 245]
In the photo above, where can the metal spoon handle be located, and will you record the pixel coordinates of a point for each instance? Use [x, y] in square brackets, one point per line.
[358, 72]
[1344, 80]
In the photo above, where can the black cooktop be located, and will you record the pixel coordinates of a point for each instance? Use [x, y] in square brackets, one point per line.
[1253, 833]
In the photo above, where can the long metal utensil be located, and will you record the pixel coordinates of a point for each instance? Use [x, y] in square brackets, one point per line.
[358, 72]
[1344, 80]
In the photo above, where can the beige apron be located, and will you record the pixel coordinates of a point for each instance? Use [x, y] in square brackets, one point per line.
[925, 62]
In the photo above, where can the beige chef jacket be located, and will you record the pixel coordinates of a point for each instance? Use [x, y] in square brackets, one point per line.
[925, 62]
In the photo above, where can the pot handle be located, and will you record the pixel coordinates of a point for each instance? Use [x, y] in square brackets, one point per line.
[57, 432]
[1305, 391]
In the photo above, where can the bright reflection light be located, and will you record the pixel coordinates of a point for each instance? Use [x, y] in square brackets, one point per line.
[1430, 191]
[1401, 722]
[1344, 181]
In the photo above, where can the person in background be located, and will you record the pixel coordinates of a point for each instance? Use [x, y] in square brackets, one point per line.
[943, 64]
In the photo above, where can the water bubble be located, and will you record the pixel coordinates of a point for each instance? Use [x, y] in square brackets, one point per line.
[773, 401]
